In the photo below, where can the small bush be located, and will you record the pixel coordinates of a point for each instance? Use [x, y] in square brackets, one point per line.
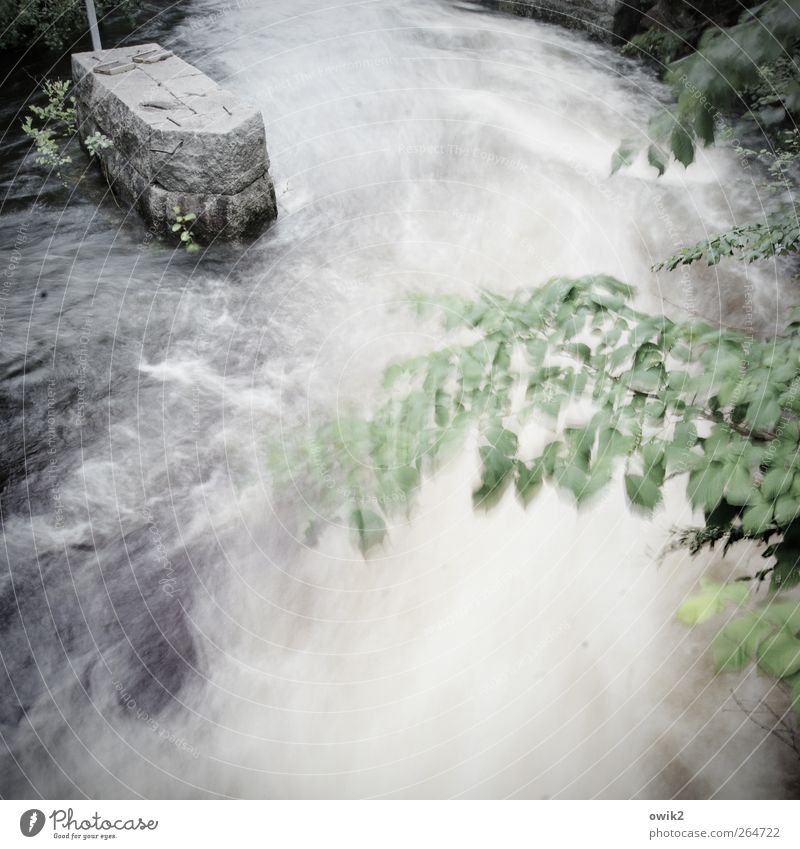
[183, 223]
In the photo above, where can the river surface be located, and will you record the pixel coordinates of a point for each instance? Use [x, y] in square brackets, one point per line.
[164, 630]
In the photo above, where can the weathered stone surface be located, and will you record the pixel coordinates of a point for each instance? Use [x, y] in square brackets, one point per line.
[609, 20]
[695, 16]
[619, 20]
[179, 140]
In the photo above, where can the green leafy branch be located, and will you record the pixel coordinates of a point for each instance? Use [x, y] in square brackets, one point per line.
[648, 397]
[779, 235]
[48, 125]
[97, 142]
[670, 398]
[52, 126]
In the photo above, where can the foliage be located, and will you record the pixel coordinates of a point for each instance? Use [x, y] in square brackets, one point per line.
[619, 391]
[183, 223]
[712, 599]
[60, 107]
[747, 69]
[773, 99]
[55, 24]
[659, 46]
[768, 634]
[727, 63]
[49, 153]
[668, 397]
[740, 81]
[52, 126]
[97, 142]
[53, 122]
[778, 235]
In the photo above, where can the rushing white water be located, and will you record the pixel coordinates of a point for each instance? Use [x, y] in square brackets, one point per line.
[166, 631]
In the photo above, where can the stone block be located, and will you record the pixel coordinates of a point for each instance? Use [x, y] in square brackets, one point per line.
[178, 140]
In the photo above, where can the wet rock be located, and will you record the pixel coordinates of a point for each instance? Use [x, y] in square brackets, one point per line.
[619, 20]
[178, 140]
[671, 16]
[609, 20]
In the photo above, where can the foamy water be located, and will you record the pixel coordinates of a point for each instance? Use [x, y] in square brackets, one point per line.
[167, 631]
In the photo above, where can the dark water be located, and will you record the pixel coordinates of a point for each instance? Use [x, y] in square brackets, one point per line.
[163, 630]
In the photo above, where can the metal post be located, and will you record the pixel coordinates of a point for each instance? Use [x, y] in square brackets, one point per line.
[92, 16]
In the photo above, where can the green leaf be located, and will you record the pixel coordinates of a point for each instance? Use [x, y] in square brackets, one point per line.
[685, 434]
[369, 527]
[573, 478]
[783, 613]
[550, 455]
[529, 480]
[741, 488]
[613, 443]
[644, 380]
[763, 414]
[737, 642]
[621, 355]
[682, 145]
[655, 410]
[176, 227]
[579, 441]
[623, 156]
[407, 478]
[733, 592]
[712, 598]
[757, 518]
[505, 441]
[775, 483]
[496, 473]
[392, 375]
[779, 655]
[678, 380]
[706, 486]
[580, 350]
[699, 608]
[642, 491]
[653, 461]
[787, 509]
[450, 438]
[599, 475]
[441, 406]
[472, 371]
[704, 125]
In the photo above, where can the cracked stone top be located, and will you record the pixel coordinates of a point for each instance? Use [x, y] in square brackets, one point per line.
[172, 123]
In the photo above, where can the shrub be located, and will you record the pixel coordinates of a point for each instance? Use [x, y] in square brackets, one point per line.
[55, 24]
[52, 126]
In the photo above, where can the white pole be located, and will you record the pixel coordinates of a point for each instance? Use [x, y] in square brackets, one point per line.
[92, 16]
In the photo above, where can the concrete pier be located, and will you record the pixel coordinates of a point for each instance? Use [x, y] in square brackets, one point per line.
[178, 140]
